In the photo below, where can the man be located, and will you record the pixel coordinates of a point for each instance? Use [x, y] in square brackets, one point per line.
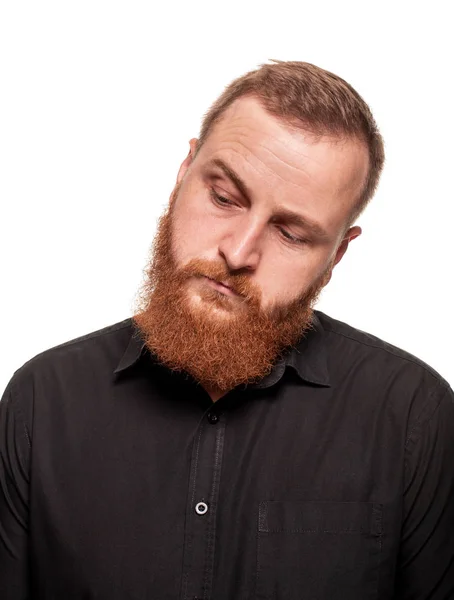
[229, 442]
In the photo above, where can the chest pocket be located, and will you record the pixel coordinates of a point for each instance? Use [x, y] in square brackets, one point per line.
[318, 550]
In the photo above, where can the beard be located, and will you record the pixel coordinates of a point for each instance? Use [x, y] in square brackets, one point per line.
[220, 351]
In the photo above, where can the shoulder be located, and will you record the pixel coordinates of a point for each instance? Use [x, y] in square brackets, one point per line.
[358, 343]
[86, 347]
[78, 359]
[380, 372]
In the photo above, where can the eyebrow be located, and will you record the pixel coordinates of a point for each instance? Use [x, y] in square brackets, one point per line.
[230, 173]
[283, 214]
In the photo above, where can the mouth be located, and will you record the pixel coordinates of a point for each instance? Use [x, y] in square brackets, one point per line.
[221, 287]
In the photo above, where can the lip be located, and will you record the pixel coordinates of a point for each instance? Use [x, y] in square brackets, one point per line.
[221, 287]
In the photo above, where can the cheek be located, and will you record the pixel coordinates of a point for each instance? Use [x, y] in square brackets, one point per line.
[280, 285]
[283, 279]
[193, 236]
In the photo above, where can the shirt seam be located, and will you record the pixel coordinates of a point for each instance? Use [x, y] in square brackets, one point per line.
[417, 438]
[414, 361]
[91, 336]
[19, 415]
[444, 391]
[85, 338]
[19, 412]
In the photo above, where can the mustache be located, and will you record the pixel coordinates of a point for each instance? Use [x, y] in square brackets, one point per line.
[240, 283]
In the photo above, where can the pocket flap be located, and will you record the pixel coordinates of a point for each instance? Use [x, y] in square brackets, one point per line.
[320, 517]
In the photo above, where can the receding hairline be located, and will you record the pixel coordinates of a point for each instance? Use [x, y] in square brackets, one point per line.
[305, 96]
[293, 125]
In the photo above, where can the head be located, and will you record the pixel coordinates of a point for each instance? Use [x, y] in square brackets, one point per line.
[264, 203]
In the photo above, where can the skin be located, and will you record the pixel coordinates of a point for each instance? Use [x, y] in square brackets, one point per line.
[319, 180]
[219, 229]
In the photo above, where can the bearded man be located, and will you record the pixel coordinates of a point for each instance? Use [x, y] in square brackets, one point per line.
[229, 441]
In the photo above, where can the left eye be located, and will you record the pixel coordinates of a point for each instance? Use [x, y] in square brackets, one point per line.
[291, 238]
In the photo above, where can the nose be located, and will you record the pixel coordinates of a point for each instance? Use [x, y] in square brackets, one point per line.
[240, 245]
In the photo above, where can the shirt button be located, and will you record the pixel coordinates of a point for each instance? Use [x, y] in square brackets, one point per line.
[212, 417]
[201, 508]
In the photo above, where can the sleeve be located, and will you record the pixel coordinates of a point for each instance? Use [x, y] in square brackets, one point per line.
[426, 557]
[14, 483]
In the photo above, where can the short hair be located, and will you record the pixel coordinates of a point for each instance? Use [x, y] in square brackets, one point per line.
[309, 98]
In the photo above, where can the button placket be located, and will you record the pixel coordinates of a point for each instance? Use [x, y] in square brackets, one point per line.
[200, 527]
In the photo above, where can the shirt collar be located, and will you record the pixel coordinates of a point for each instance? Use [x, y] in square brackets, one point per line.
[308, 358]
[134, 350]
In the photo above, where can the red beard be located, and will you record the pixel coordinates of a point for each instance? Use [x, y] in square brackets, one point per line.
[219, 351]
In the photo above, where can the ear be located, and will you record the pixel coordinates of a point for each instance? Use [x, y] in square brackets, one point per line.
[188, 160]
[351, 234]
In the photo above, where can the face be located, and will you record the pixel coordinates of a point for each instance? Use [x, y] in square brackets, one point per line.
[255, 225]
[285, 223]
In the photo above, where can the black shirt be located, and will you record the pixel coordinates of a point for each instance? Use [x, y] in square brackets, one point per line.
[333, 478]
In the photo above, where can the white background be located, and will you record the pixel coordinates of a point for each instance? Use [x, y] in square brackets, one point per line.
[99, 99]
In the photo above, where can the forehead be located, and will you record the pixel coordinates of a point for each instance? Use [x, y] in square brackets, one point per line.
[325, 174]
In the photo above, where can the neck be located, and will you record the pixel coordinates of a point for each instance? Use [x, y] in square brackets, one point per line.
[215, 393]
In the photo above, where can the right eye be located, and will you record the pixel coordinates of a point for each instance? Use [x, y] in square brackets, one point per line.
[220, 200]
